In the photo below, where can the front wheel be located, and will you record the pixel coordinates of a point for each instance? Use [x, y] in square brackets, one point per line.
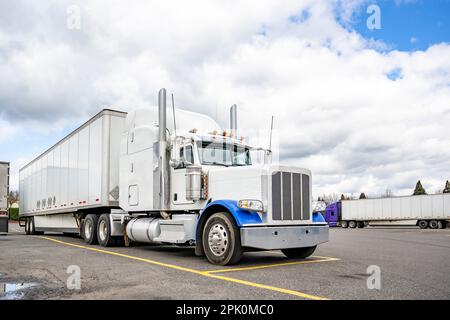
[222, 240]
[299, 253]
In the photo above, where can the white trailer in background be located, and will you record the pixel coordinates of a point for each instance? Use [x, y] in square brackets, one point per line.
[427, 211]
[4, 191]
[152, 177]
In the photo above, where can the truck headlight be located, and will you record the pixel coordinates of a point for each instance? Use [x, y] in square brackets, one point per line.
[253, 205]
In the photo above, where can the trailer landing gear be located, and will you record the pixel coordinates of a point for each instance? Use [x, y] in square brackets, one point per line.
[30, 228]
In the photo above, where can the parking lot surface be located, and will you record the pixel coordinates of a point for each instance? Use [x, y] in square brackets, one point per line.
[412, 264]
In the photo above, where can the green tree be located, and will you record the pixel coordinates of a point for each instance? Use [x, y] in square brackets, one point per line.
[362, 195]
[447, 187]
[13, 197]
[343, 197]
[419, 189]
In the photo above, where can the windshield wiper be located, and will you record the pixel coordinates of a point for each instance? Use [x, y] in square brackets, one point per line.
[216, 163]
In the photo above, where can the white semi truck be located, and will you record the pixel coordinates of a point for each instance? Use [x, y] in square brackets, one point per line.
[172, 178]
[4, 191]
[426, 211]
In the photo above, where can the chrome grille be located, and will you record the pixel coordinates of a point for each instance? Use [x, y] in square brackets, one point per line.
[290, 196]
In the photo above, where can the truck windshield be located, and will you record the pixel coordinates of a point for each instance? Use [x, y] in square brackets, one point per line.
[223, 154]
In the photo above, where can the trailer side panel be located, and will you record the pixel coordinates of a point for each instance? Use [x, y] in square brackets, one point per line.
[79, 172]
[434, 206]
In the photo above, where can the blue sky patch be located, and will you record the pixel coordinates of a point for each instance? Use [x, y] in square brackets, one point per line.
[406, 25]
[395, 74]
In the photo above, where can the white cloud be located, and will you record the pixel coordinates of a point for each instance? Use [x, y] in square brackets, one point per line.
[337, 112]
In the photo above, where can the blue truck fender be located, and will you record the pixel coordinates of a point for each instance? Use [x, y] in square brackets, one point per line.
[241, 216]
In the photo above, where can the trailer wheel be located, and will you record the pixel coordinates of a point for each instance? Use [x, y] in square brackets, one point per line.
[423, 224]
[352, 224]
[222, 240]
[344, 224]
[89, 229]
[433, 224]
[360, 224]
[104, 232]
[299, 253]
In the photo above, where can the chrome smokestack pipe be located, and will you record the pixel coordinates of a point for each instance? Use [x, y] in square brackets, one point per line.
[162, 115]
[163, 159]
[233, 120]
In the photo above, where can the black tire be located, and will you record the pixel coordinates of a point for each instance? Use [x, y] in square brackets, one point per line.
[104, 237]
[352, 224]
[423, 224]
[344, 224]
[361, 224]
[433, 224]
[299, 253]
[89, 229]
[225, 245]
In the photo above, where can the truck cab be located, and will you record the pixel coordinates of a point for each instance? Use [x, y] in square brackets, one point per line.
[199, 186]
[332, 214]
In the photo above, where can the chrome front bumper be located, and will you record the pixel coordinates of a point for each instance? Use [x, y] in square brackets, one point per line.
[283, 237]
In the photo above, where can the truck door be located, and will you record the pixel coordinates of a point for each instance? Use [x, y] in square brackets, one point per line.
[178, 181]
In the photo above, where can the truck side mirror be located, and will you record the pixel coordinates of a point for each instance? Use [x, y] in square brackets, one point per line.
[175, 163]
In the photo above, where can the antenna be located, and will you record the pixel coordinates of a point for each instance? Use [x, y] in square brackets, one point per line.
[271, 130]
[174, 120]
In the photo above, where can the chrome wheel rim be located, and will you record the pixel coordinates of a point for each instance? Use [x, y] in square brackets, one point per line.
[87, 229]
[218, 239]
[103, 230]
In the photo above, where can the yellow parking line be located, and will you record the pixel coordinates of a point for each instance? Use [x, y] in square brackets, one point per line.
[273, 265]
[198, 272]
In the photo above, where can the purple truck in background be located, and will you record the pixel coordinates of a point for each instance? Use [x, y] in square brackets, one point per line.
[332, 214]
[426, 211]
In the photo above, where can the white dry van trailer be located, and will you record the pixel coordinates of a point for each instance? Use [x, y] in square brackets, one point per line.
[428, 211]
[4, 191]
[172, 178]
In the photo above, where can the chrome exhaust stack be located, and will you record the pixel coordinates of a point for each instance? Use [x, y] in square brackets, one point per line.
[233, 120]
[161, 192]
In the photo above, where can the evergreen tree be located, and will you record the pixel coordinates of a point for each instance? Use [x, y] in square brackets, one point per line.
[362, 195]
[343, 197]
[419, 189]
[447, 187]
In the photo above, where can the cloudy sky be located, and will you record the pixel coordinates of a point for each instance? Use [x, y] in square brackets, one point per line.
[365, 109]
